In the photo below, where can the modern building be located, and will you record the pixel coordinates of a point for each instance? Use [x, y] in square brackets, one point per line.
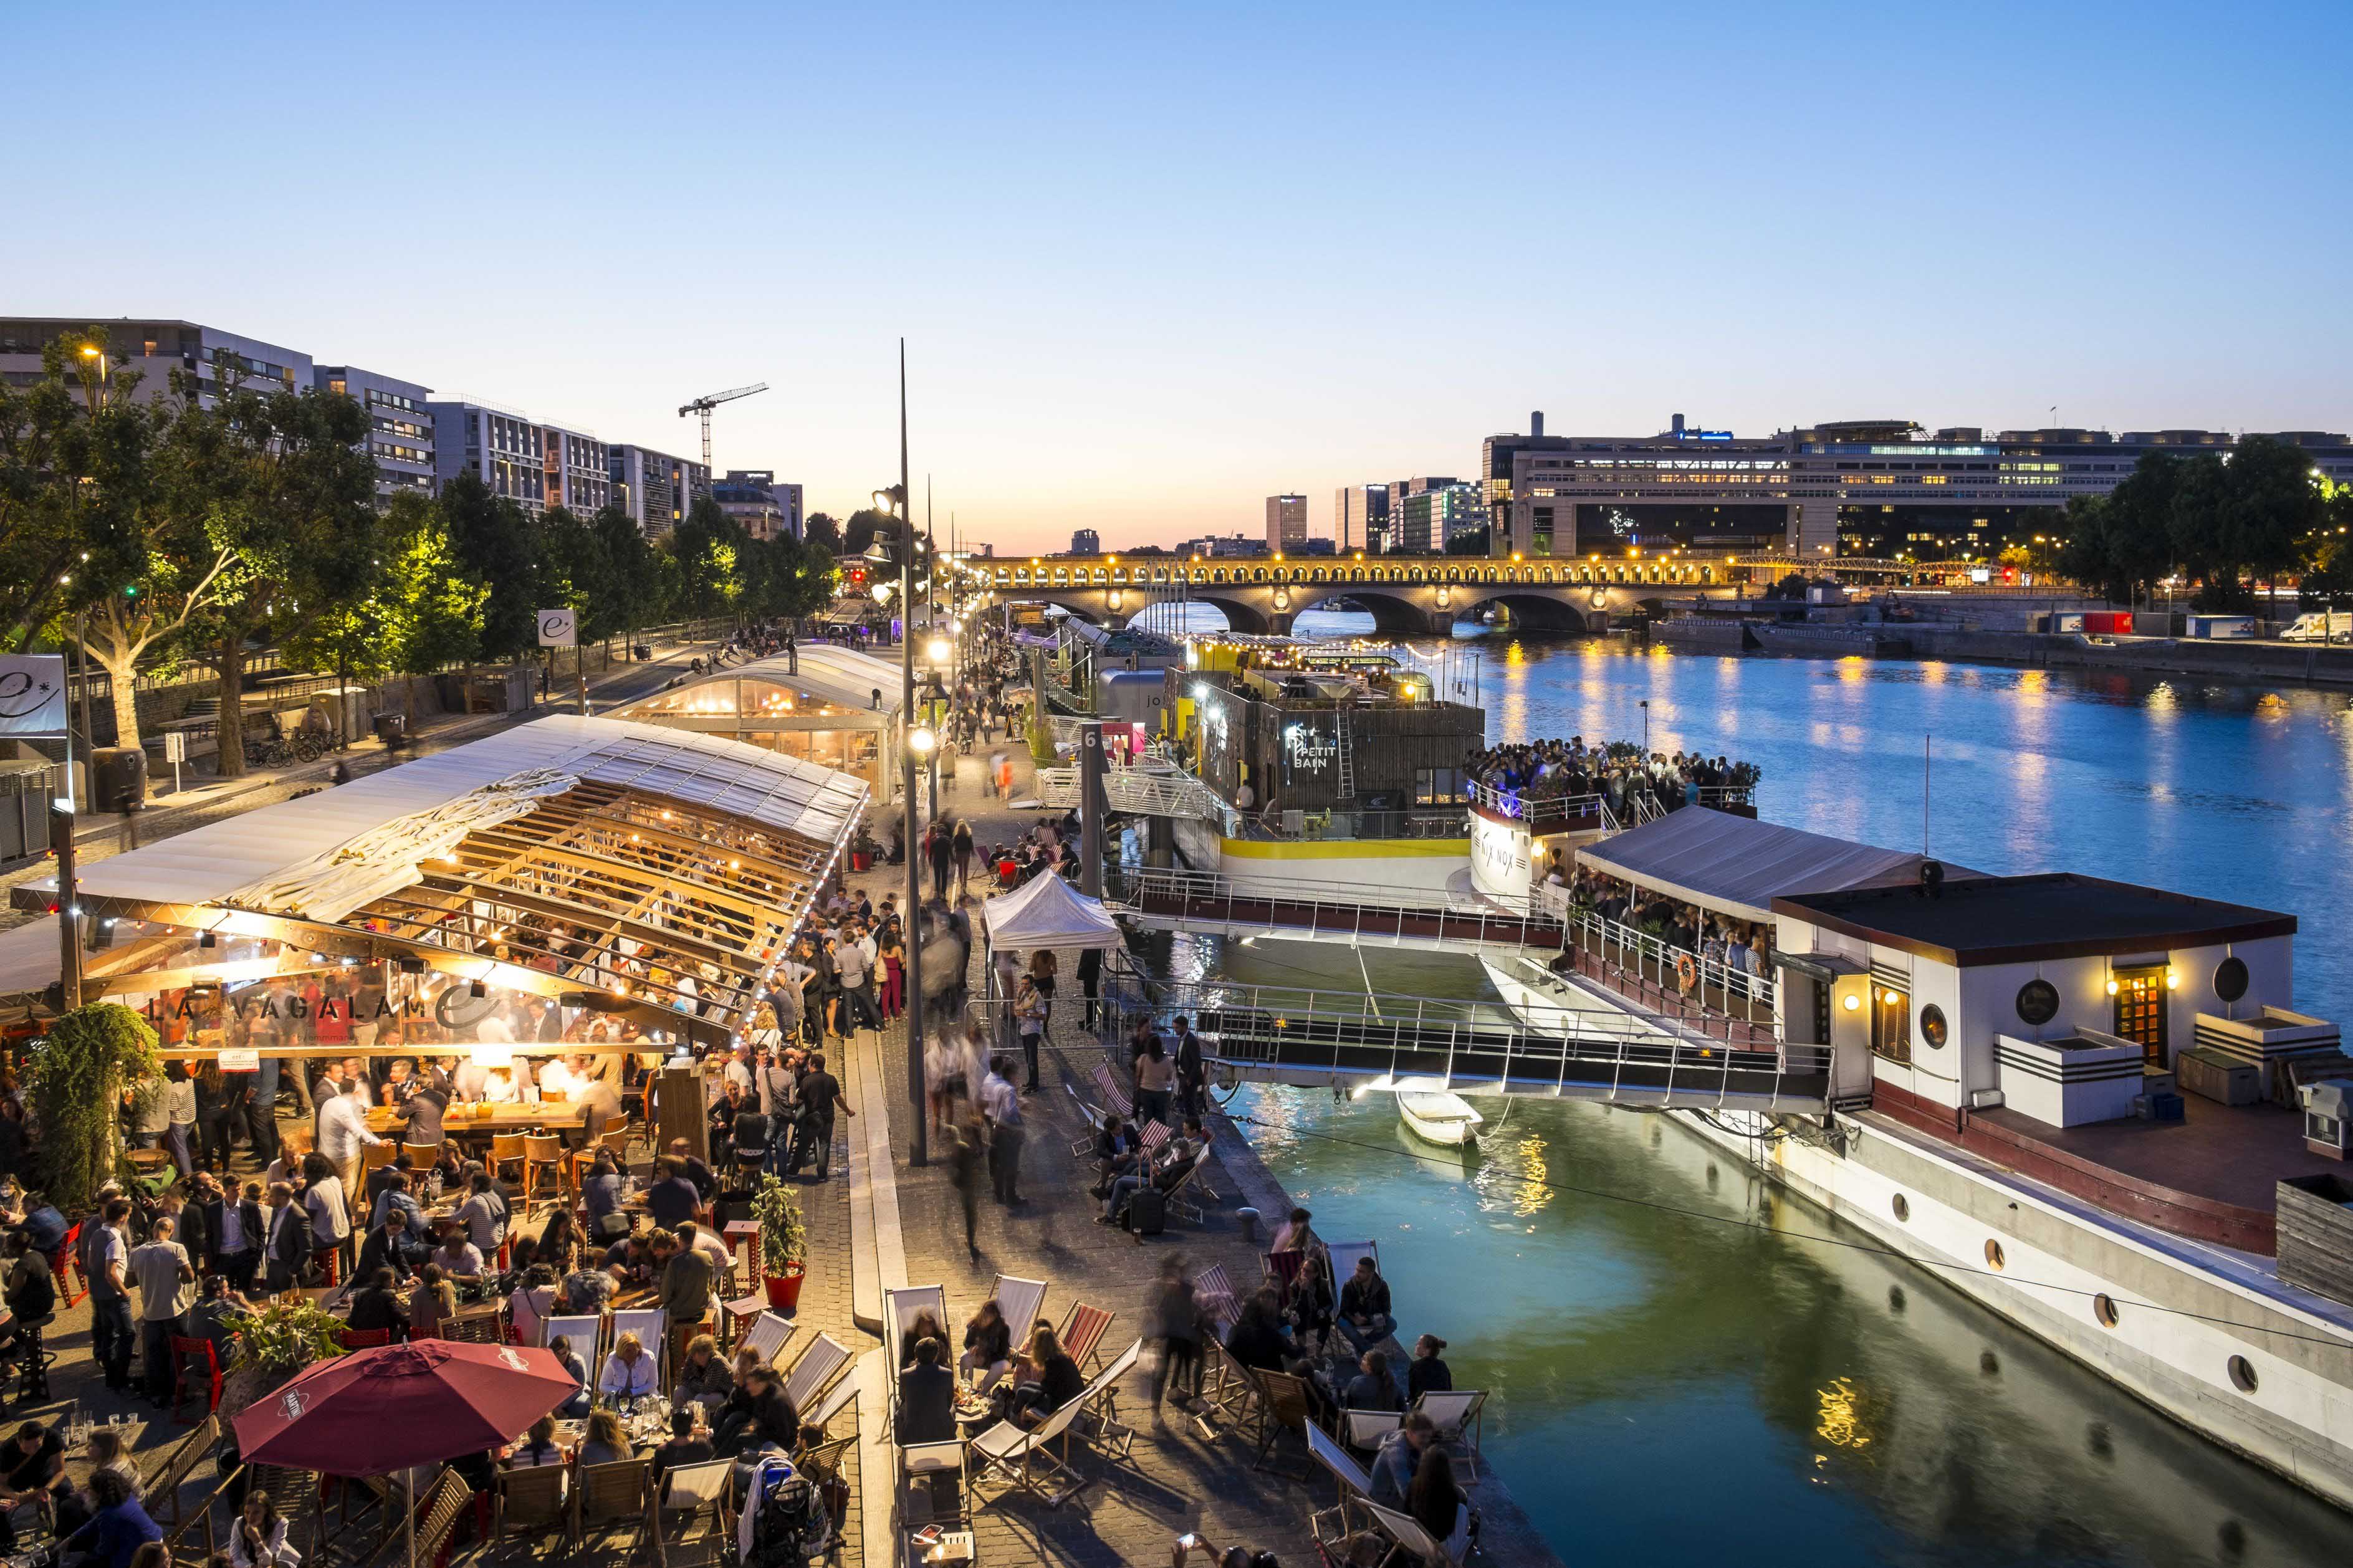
[1357, 511]
[1495, 456]
[766, 507]
[1225, 544]
[655, 489]
[1085, 542]
[532, 464]
[1286, 521]
[400, 425]
[216, 359]
[1430, 518]
[1882, 489]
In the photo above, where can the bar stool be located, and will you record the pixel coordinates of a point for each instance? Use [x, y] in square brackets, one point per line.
[33, 1360]
[506, 1149]
[545, 1151]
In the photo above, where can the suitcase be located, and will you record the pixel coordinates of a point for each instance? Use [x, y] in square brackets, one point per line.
[1147, 1211]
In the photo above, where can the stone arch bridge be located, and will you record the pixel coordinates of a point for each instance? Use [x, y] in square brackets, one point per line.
[1407, 596]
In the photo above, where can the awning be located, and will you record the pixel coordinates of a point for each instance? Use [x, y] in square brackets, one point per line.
[1739, 866]
[838, 677]
[28, 963]
[1047, 911]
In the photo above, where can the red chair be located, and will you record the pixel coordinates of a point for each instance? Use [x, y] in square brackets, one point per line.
[70, 1252]
[196, 1356]
[364, 1339]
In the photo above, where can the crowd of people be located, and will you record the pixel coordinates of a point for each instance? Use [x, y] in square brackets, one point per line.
[1744, 947]
[1619, 772]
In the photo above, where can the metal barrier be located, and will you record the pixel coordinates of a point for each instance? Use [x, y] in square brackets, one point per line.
[1656, 960]
[1362, 916]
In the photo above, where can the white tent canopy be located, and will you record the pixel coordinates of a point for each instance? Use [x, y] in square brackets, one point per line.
[1048, 912]
[1739, 866]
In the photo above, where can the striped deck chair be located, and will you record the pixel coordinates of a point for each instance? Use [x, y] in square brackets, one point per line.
[1095, 1119]
[1185, 1198]
[1114, 1095]
[1100, 1420]
[1213, 1292]
[1082, 1332]
[1022, 1301]
[1154, 1135]
[814, 1371]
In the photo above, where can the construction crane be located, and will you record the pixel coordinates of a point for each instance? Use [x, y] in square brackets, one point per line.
[704, 405]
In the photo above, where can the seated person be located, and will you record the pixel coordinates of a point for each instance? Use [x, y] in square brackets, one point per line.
[398, 1196]
[432, 1302]
[630, 1372]
[1400, 1456]
[1371, 1388]
[672, 1199]
[387, 1248]
[1365, 1306]
[377, 1305]
[605, 1444]
[457, 1257]
[560, 1347]
[686, 1446]
[1428, 1372]
[704, 1380]
[760, 1406]
[694, 1169]
[1059, 1381]
[117, 1525]
[484, 1215]
[1117, 1148]
[257, 1539]
[1256, 1338]
[926, 1326]
[987, 1347]
[928, 1397]
[631, 1263]
[538, 1451]
[602, 1190]
[586, 1291]
[32, 1467]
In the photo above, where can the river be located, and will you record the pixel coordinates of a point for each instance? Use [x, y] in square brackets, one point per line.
[1678, 1389]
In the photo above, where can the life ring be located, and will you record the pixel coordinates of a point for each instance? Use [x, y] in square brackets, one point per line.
[1686, 971]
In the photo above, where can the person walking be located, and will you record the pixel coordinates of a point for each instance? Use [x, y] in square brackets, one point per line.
[1172, 1326]
[939, 845]
[961, 845]
[966, 1153]
[820, 1096]
[1002, 1106]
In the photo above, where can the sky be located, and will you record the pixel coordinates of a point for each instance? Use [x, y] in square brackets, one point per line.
[1154, 264]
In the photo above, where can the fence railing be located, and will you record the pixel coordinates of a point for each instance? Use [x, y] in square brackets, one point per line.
[1357, 914]
[1710, 982]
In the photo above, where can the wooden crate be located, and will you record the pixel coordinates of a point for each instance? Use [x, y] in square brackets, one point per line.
[2214, 1076]
[2316, 1235]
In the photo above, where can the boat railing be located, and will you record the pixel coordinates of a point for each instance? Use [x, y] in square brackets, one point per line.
[1711, 981]
[1558, 813]
[1390, 1040]
[1212, 896]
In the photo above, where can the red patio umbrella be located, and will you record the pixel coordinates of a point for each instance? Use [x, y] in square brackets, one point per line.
[394, 1407]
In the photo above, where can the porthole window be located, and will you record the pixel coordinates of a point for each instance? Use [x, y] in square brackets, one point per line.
[2104, 1309]
[2243, 1374]
[2038, 1002]
[1903, 1207]
[1993, 1253]
[1933, 1027]
[2230, 979]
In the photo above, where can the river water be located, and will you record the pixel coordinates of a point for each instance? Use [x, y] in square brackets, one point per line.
[1686, 1368]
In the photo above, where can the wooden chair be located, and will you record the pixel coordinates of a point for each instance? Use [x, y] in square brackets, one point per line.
[1020, 1454]
[437, 1518]
[1021, 1300]
[364, 1339]
[506, 1149]
[618, 1493]
[376, 1157]
[422, 1155]
[535, 1498]
[844, 1396]
[1458, 1417]
[68, 1252]
[926, 1461]
[545, 1151]
[162, 1490]
[1100, 1402]
[1364, 1429]
[688, 1492]
[814, 1372]
[1285, 1407]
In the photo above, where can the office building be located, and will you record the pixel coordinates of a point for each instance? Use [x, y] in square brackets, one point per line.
[1357, 511]
[1085, 542]
[155, 349]
[1211, 544]
[769, 508]
[1433, 516]
[655, 489]
[1286, 521]
[533, 464]
[1880, 489]
[400, 425]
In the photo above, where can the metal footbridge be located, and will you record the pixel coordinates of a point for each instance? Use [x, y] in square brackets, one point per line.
[1350, 1040]
[1151, 786]
[1209, 903]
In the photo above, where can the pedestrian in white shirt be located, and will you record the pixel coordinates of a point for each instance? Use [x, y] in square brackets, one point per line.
[343, 1133]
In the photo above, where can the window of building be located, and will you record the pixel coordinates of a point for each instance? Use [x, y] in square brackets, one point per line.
[2140, 999]
[1436, 786]
[1890, 1024]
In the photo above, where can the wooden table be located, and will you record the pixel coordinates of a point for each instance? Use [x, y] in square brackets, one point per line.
[78, 1465]
[562, 1117]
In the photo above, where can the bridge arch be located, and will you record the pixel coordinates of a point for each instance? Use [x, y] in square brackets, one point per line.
[1394, 613]
[1535, 612]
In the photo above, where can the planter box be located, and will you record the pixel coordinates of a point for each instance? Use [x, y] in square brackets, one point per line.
[2272, 1035]
[2316, 1235]
[2216, 1075]
[2084, 1077]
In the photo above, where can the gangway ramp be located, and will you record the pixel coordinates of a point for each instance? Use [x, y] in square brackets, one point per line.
[1207, 902]
[1150, 787]
[1349, 1040]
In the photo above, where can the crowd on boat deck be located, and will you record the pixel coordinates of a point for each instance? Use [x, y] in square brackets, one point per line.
[1619, 772]
[1744, 946]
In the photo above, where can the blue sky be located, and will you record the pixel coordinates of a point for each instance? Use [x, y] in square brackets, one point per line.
[1155, 264]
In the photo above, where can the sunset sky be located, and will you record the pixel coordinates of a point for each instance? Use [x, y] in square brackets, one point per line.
[1155, 264]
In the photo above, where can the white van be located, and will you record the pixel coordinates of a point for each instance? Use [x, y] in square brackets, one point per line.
[2320, 625]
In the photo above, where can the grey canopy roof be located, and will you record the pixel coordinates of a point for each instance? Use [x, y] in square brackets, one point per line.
[1739, 866]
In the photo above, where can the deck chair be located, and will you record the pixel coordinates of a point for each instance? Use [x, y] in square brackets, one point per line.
[1184, 1199]
[1364, 1429]
[1213, 1290]
[585, 1333]
[1113, 1096]
[923, 1461]
[1408, 1532]
[1286, 1408]
[1356, 1482]
[1022, 1301]
[1025, 1457]
[1458, 1416]
[844, 1394]
[1080, 1148]
[531, 1499]
[814, 1372]
[901, 1309]
[1101, 1399]
[1154, 1134]
[162, 1490]
[527, 1311]
[618, 1493]
[1082, 1332]
[769, 1335]
[651, 1325]
[450, 1502]
[1344, 1256]
[688, 1493]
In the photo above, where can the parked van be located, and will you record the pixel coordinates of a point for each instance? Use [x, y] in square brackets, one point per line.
[2320, 625]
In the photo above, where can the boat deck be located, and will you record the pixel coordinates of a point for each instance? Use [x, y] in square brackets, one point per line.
[2232, 1154]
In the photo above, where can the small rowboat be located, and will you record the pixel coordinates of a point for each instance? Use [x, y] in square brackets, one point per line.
[1440, 1118]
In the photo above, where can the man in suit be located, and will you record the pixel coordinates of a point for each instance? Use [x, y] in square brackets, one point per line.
[686, 1280]
[286, 1234]
[927, 1396]
[424, 1109]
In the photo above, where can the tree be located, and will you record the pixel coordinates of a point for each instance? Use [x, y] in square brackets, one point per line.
[867, 525]
[2272, 503]
[92, 1055]
[288, 492]
[632, 593]
[709, 548]
[494, 540]
[820, 530]
[1471, 543]
[436, 610]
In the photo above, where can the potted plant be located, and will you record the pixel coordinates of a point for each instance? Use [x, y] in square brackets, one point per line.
[273, 1343]
[784, 1242]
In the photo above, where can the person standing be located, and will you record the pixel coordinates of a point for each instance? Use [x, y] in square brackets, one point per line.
[939, 845]
[1091, 979]
[167, 1289]
[1029, 1021]
[962, 848]
[966, 1154]
[1173, 1326]
[1002, 1105]
[260, 1107]
[820, 1098]
[1192, 1072]
[853, 960]
[343, 1129]
[111, 1333]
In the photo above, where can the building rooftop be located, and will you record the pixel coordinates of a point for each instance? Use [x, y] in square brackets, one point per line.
[2017, 919]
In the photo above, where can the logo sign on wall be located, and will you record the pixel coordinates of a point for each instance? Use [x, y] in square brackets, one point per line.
[33, 697]
[559, 628]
